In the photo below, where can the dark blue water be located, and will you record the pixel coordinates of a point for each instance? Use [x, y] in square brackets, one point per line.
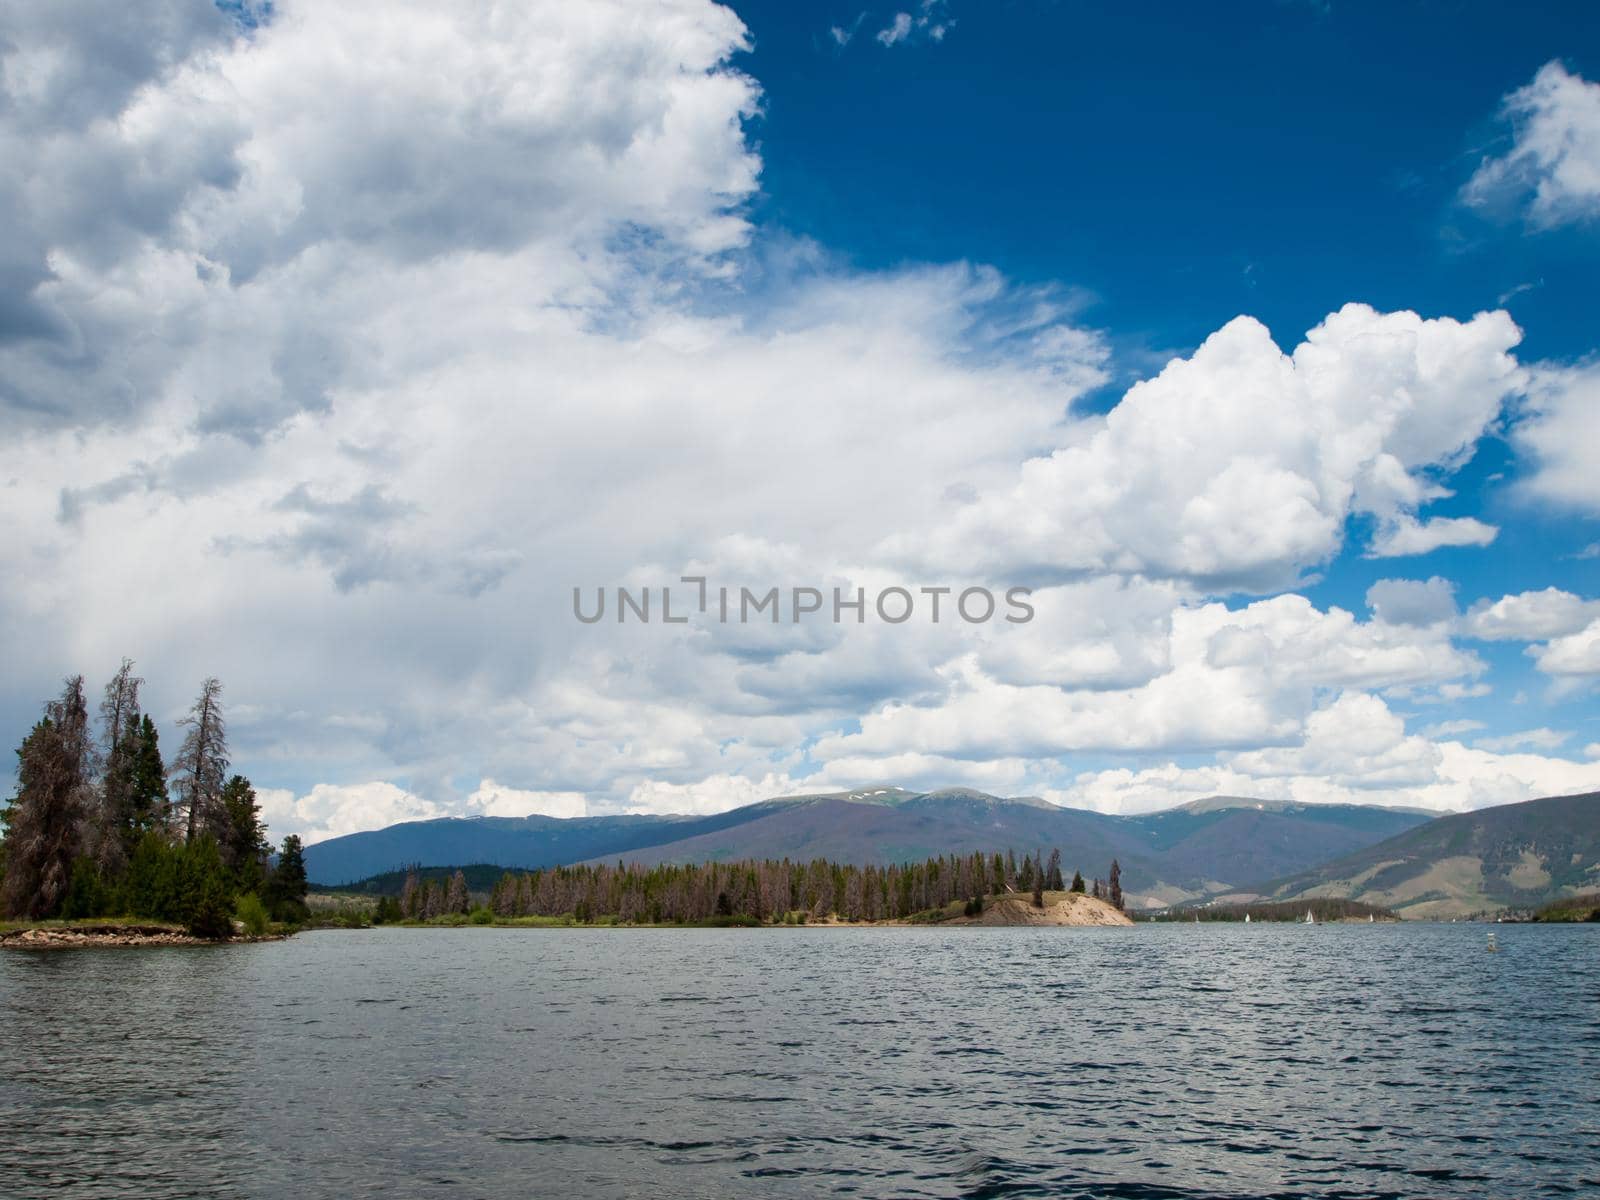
[1162, 1061]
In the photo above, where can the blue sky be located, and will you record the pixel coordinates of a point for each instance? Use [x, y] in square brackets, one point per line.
[1182, 164]
[1259, 339]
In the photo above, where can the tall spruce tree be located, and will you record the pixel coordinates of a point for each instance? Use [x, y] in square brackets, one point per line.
[148, 810]
[55, 794]
[1053, 879]
[200, 770]
[287, 887]
[1115, 891]
[244, 838]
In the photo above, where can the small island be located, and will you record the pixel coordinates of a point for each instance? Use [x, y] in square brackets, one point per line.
[107, 845]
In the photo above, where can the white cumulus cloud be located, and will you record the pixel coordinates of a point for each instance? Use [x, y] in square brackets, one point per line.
[1240, 464]
[1530, 616]
[1553, 165]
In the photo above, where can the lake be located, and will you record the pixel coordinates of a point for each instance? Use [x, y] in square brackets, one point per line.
[1161, 1061]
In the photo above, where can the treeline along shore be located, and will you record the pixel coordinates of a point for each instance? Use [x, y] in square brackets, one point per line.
[759, 893]
[100, 827]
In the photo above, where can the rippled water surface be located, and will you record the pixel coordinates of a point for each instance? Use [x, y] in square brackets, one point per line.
[1183, 1061]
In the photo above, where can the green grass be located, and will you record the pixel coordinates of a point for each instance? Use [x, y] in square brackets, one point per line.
[935, 916]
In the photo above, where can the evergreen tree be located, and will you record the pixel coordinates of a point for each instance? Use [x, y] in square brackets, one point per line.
[1077, 882]
[244, 842]
[150, 888]
[1038, 889]
[147, 807]
[387, 912]
[54, 798]
[1053, 879]
[200, 770]
[286, 887]
[204, 901]
[87, 895]
[1096, 892]
[1115, 894]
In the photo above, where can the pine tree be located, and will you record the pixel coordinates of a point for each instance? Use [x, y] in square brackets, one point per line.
[148, 809]
[45, 821]
[1077, 882]
[1115, 895]
[286, 887]
[1053, 879]
[150, 888]
[204, 899]
[387, 912]
[243, 844]
[201, 767]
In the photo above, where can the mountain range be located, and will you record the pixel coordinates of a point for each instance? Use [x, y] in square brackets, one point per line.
[1509, 856]
[1202, 849]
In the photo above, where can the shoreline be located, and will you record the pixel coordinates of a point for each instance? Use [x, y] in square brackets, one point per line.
[1062, 909]
[109, 934]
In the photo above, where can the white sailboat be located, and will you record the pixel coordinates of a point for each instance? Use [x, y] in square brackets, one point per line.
[1247, 918]
[1310, 919]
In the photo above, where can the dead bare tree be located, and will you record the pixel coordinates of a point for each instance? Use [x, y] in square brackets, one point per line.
[120, 741]
[200, 769]
[55, 772]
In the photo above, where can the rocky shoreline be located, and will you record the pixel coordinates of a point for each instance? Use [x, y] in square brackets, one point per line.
[83, 936]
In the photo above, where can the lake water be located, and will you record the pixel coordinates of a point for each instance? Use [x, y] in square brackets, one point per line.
[1162, 1061]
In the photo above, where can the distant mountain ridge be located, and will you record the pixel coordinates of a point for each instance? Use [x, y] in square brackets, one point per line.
[1510, 856]
[1197, 850]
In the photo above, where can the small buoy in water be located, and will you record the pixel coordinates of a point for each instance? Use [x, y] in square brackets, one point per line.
[1492, 945]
